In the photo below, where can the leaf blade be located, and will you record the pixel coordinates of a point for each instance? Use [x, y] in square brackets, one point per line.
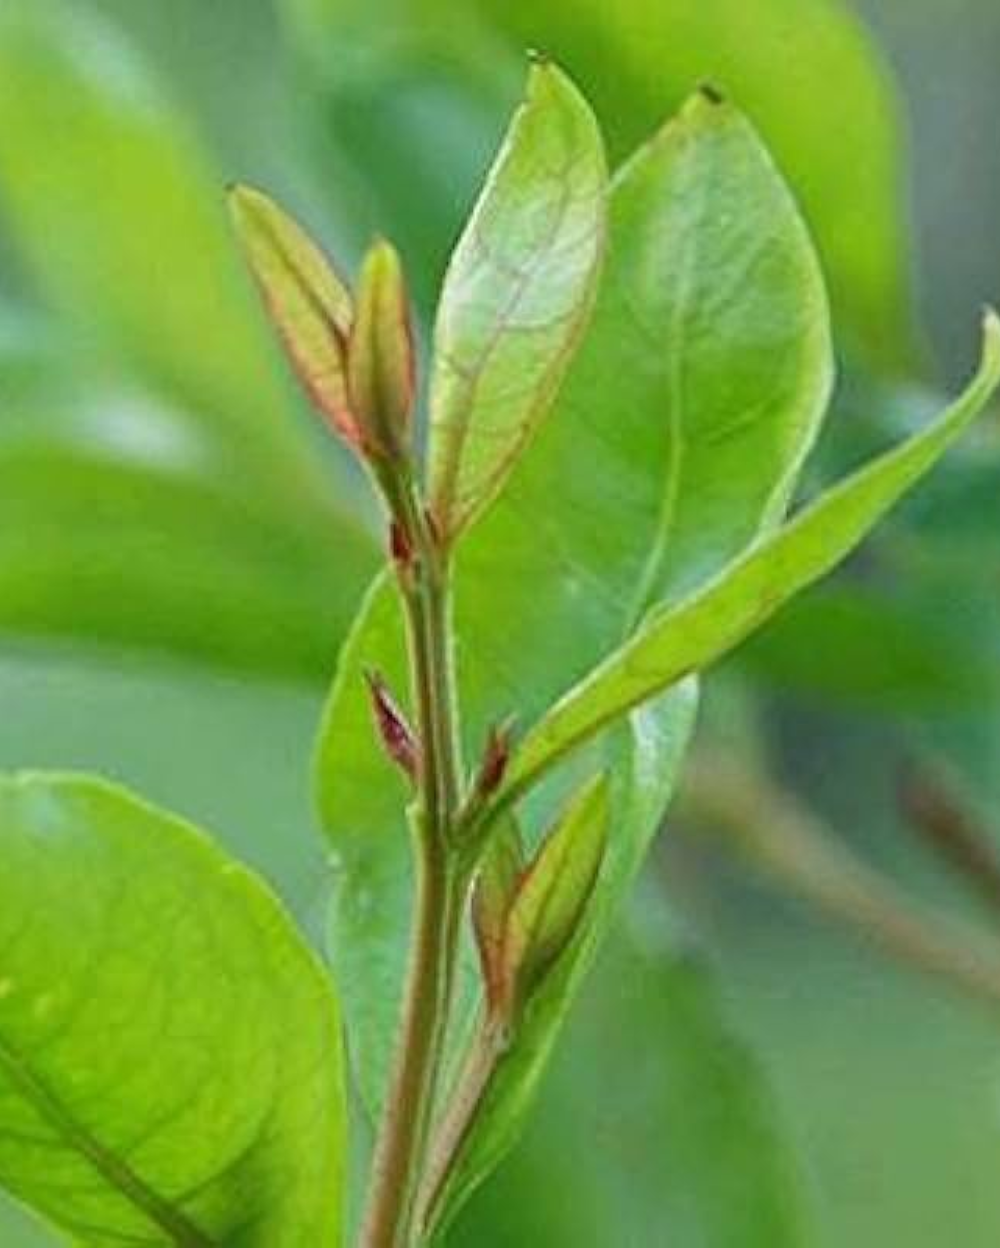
[515, 298]
[676, 641]
[134, 1022]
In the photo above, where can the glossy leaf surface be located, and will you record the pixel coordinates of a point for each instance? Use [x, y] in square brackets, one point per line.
[169, 1047]
[677, 640]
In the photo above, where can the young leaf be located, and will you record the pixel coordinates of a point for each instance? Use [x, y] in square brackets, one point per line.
[495, 887]
[677, 640]
[552, 898]
[651, 1063]
[382, 367]
[515, 298]
[308, 303]
[645, 761]
[170, 1062]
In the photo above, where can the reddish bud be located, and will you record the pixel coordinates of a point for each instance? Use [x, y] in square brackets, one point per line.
[395, 733]
[496, 756]
[495, 888]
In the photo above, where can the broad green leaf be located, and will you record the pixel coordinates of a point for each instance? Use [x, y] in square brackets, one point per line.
[119, 215]
[170, 1067]
[115, 529]
[310, 306]
[675, 641]
[711, 329]
[655, 1126]
[806, 72]
[516, 297]
[555, 573]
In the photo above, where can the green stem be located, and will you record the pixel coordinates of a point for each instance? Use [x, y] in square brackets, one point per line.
[453, 1131]
[442, 883]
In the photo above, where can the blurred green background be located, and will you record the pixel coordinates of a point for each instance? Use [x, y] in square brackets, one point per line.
[181, 549]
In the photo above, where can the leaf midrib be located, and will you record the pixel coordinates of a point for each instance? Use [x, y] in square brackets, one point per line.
[117, 1172]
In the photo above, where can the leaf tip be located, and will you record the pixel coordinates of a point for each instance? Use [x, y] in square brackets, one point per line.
[710, 93]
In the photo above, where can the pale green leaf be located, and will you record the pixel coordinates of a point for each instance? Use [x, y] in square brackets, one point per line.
[676, 640]
[111, 201]
[516, 296]
[170, 1067]
[115, 529]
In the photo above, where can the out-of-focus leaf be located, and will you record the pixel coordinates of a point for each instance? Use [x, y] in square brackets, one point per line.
[115, 528]
[518, 289]
[121, 219]
[889, 651]
[170, 1064]
[675, 641]
[805, 71]
[657, 1121]
[556, 571]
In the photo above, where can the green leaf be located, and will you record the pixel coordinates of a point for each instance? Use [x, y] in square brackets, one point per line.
[899, 651]
[555, 573]
[711, 329]
[115, 529]
[119, 215]
[308, 303]
[170, 1067]
[516, 296]
[651, 1064]
[675, 641]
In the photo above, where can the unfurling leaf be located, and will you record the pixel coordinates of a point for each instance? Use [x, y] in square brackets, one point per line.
[677, 640]
[553, 894]
[308, 303]
[516, 297]
[381, 365]
[495, 888]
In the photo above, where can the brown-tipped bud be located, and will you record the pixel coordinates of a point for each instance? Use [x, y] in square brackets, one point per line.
[381, 367]
[395, 733]
[496, 756]
[400, 546]
[493, 892]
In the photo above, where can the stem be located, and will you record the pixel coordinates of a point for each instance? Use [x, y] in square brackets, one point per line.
[441, 888]
[453, 1131]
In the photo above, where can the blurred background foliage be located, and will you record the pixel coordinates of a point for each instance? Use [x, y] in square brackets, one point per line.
[181, 550]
